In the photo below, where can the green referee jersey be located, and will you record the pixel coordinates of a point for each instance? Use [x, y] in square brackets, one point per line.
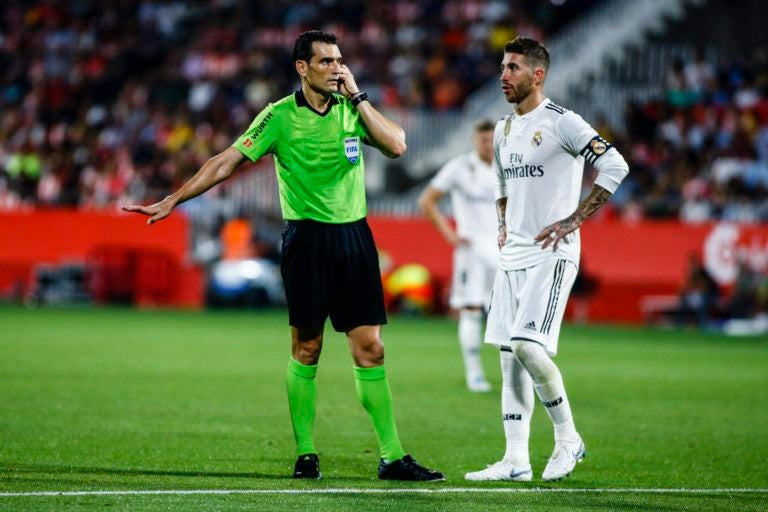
[318, 157]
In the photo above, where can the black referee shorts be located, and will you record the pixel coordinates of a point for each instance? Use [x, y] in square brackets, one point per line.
[332, 269]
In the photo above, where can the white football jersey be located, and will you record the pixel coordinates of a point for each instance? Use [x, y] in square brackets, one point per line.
[471, 184]
[539, 163]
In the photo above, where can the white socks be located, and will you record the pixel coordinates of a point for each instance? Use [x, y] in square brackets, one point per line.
[528, 368]
[516, 408]
[470, 339]
[552, 395]
[549, 386]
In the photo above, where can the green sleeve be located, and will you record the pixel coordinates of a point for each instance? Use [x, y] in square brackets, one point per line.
[261, 136]
[361, 129]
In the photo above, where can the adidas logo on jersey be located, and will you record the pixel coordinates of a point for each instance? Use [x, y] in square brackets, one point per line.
[530, 325]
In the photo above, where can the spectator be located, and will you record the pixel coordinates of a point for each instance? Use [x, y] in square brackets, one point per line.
[81, 80]
[701, 157]
[699, 296]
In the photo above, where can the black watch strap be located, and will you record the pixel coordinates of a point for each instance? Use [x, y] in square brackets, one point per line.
[359, 98]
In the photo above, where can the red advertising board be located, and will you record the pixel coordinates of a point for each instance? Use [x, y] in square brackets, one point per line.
[119, 244]
[632, 263]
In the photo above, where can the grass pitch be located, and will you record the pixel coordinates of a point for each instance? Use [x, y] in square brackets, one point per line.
[120, 400]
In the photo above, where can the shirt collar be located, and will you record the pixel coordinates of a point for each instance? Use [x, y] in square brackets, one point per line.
[301, 101]
[536, 111]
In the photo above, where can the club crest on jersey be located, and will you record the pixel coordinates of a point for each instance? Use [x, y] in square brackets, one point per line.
[598, 146]
[352, 149]
[536, 140]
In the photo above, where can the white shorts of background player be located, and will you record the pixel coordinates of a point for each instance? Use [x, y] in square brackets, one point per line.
[473, 277]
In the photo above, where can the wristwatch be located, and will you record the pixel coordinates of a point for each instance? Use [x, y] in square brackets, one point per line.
[359, 98]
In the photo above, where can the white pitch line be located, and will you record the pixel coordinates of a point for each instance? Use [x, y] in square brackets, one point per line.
[445, 490]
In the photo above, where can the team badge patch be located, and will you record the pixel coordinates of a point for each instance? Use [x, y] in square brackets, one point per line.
[598, 146]
[595, 149]
[352, 149]
[536, 141]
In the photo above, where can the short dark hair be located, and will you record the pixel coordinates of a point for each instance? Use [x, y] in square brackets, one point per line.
[484, 125]
[535, 53]
[302, 50]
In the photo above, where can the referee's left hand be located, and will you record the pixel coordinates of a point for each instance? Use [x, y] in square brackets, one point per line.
[155, 212]
[347, 85]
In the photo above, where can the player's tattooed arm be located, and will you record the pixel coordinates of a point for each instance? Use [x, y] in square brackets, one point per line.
[501, 211]
[552, 234]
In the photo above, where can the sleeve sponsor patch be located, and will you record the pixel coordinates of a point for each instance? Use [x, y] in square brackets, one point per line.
[595, 148]
[256, 130]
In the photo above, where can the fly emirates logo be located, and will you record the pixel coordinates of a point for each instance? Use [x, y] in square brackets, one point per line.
[517, 169]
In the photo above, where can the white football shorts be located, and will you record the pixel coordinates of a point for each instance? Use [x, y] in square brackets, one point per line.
[530, 304]
[473, 273]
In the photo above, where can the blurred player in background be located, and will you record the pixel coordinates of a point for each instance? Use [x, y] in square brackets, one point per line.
[329, 263]
[471, 182]
[540, 150]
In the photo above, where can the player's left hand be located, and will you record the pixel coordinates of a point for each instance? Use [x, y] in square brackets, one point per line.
[347, 85]
[552, 234]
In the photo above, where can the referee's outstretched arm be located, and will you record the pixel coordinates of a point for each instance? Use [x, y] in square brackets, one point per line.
[214, 171]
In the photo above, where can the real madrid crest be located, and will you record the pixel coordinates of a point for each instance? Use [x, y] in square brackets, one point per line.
[598, 146]
[536, 140]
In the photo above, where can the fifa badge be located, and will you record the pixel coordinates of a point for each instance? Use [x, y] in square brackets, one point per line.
[536, 140]
[352, 149]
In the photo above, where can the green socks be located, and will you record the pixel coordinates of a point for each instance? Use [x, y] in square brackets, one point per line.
[302, 395]
[373, 391]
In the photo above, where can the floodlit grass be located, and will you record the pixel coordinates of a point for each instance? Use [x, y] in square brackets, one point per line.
[110, 399]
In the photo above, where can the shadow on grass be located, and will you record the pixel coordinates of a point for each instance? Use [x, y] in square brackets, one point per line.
[16, 473]
[49, 469]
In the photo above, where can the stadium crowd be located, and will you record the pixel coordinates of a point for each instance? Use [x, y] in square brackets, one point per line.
[701, 152]
[100, 102]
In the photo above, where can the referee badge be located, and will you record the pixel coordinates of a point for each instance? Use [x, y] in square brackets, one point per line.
[352, 149]
[536, 140]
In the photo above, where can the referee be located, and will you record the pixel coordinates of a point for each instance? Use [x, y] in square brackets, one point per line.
[330, 265]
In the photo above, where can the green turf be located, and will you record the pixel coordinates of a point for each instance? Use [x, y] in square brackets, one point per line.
[124, 400]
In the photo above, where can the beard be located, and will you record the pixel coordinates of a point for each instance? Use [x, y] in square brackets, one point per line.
[520, 91]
